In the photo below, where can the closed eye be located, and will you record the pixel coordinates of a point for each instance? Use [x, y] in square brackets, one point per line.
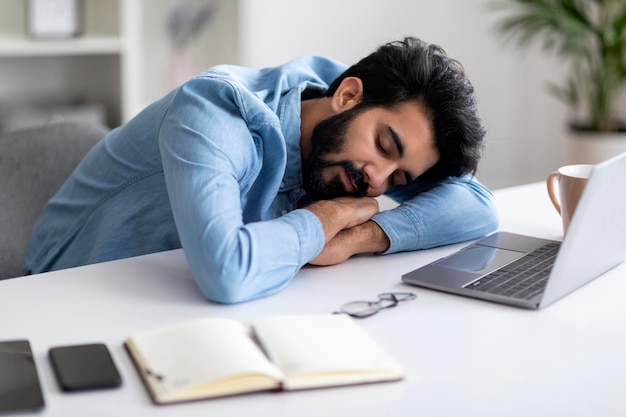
[380, 147]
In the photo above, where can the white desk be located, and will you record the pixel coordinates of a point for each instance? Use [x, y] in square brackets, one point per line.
[462, 357]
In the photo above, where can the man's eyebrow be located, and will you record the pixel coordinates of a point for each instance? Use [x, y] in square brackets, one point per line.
[397, 140]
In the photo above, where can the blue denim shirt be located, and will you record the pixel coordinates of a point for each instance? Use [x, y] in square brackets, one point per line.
[215, 167]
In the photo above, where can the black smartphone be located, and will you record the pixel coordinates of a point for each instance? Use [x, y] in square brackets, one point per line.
[20, 389]
[84, 367]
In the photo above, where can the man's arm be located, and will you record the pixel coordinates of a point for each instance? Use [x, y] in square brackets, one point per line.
[367, 237]
[212, 164]
[451, 211]
[340, 215]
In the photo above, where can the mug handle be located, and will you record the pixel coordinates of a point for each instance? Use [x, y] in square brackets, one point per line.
[550, 181]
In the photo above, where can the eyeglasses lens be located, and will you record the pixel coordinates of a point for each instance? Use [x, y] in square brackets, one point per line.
[361, 308]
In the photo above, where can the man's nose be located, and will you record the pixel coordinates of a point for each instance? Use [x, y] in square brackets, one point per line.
[377, 175]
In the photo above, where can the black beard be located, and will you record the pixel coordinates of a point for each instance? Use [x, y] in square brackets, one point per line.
[317, 189]
[328, 138]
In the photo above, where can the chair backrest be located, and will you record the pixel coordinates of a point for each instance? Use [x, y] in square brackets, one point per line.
[34, 163]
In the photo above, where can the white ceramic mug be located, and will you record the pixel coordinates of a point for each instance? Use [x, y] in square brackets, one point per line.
[570, 180]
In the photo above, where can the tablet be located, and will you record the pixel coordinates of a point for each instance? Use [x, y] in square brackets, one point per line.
[20, 389]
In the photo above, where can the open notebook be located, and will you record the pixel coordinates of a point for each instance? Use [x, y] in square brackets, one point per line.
[216, 357]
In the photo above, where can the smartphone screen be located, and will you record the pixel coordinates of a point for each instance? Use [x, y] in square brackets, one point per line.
[20, 389]
[84, 367]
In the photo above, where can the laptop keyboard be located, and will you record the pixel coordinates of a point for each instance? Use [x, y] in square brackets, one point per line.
[524, 278]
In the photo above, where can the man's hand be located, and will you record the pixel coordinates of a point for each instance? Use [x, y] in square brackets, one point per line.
[364, 238]
[343, 213]
[348, 228]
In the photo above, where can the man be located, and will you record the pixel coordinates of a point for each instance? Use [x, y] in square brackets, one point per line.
[256, 173]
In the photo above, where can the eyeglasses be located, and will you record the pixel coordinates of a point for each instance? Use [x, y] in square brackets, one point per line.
[362, 309]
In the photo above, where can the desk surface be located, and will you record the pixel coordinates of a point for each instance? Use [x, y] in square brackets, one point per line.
[462, 357]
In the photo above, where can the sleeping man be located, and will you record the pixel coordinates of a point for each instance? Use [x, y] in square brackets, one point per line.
[257, 172]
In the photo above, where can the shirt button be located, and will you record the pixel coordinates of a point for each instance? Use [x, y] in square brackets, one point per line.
[284, 212]
[282, 185]
[296, 190]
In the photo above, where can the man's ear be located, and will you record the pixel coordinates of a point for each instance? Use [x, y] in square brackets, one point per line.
[348, 94]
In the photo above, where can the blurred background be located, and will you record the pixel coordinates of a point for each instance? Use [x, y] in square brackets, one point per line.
[105, 60]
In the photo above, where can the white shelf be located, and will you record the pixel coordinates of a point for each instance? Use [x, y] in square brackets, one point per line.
[122, 59]
[95, 67]
[25, 47]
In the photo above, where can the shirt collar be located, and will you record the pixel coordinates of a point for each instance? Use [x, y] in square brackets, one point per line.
[289, 115]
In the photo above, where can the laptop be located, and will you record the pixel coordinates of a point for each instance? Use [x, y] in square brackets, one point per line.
[533, 273]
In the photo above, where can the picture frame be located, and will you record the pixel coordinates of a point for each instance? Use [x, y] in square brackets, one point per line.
[53, 19]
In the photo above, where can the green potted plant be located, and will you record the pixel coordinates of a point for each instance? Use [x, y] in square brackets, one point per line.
[590, 36]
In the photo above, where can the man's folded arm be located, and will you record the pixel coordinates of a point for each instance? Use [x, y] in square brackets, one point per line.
[449, 211]
[210, 159]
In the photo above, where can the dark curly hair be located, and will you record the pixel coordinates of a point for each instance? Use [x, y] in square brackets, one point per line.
[415, 70]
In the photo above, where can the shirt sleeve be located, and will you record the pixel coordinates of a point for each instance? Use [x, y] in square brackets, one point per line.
[438, 213]
[212, 158]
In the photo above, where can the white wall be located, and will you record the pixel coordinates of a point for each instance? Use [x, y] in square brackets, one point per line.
[525, 124]
[215, 44]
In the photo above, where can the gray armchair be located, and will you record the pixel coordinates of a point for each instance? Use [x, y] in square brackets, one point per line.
[34, 163]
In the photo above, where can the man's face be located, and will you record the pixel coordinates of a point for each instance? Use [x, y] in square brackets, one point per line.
[361, 152]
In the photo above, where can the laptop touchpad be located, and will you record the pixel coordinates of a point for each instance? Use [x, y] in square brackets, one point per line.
[462, 267]
[479, 259]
